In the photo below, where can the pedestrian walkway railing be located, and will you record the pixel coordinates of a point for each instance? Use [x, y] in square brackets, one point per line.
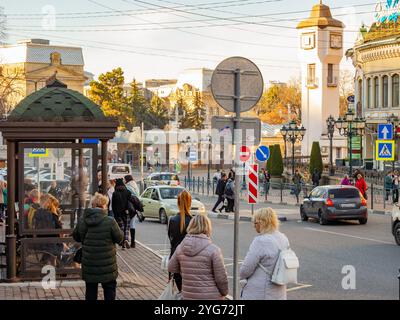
[288, 193]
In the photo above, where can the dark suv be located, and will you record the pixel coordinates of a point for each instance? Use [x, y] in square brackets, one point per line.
[329, 203]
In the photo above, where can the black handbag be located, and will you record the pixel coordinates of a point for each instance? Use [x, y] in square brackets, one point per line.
[140, 216]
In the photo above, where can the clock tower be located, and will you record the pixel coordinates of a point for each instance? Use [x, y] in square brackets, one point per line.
[320, 53]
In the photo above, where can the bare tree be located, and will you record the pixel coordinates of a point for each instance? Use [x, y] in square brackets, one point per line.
[11, 90]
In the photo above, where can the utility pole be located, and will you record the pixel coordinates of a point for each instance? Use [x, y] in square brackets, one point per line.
[141, 155]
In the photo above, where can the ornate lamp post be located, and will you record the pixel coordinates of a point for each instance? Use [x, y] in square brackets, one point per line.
[394, 121]
[293, 133]
[187, 141]
[284, 131]
[330, 122]
[350, 126]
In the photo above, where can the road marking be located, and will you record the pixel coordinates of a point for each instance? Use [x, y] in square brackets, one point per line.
[300, 286]
[349, 236]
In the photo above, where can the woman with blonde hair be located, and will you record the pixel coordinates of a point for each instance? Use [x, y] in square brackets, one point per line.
[98, 233]
[47, 216]
[177, 228]
[200, 262]
[259, 263]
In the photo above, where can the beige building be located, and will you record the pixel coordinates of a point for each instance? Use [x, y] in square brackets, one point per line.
[31, 62]
[376, 58]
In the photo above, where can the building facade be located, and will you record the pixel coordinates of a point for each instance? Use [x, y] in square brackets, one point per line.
[31, 62]
[376, 58]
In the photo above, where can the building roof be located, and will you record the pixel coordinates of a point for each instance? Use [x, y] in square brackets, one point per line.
[320, 17]
[39, 52]
[56, 103]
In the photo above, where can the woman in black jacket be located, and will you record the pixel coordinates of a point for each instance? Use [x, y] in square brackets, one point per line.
[177, 228]
[120, 199]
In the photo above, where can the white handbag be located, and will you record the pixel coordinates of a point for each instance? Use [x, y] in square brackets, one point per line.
[285, 270]
[169, 292]
[165, 257]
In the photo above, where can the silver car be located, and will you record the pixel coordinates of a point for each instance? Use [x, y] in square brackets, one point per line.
[160, 202]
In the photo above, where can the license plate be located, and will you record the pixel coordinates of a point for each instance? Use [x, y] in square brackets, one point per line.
[348, 205]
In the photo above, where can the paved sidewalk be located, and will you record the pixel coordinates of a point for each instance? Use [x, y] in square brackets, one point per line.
[140, 278]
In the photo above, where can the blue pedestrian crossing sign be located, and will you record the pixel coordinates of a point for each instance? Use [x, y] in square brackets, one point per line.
[262, 153]
[385, 131]
[384, 150]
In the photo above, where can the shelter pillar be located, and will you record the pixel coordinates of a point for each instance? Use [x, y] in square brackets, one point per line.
[104, 174]
[10, 230]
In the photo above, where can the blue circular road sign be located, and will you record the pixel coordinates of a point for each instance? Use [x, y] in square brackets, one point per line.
[262, 153]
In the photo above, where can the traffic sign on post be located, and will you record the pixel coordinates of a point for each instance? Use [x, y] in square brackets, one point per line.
[245, 153]
[253, 184]
[193, 155]
[384, 150]
[385, 131]
[262, 153]
[237, 85]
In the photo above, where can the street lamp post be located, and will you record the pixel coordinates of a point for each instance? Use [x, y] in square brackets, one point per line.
[350, 126]
[293, 133]
[209, 159]
[394, 121]
[330, 122]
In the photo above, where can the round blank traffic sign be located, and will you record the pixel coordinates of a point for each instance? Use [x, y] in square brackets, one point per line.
[223, 84]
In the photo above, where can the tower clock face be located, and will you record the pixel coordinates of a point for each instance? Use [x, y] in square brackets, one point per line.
[336, 41]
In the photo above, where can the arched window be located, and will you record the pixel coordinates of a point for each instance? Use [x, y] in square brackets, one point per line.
[376, 83]
[395, 91]
[385, 91]
[369, 93]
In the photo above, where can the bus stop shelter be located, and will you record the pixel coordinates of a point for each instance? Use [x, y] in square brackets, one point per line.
[52, 139]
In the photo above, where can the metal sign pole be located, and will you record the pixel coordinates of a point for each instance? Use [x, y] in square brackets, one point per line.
[237, 186]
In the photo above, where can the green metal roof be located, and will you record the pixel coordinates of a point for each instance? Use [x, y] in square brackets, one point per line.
[56, 104]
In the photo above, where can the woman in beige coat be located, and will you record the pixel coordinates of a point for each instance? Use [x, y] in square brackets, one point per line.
[200, 263]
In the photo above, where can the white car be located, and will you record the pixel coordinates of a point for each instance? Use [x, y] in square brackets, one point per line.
[161, 202]
[396, 223]
[117, 170]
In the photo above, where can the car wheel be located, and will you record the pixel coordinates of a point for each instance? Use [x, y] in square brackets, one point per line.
[303, 214]
[322, 218]
[163, 217]
[397, 233]
[363, 220]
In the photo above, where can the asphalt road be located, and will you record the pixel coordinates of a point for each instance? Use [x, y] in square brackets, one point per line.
[322, 250]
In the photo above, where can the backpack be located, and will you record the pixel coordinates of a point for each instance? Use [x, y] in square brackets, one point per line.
[285, 270]
[229, 189]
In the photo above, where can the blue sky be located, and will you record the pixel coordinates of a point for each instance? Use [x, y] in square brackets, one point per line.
[148, 40]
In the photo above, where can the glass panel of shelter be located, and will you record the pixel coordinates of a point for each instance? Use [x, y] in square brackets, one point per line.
[61, 175]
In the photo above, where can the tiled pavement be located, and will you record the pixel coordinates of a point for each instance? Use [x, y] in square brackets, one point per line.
[140, 278]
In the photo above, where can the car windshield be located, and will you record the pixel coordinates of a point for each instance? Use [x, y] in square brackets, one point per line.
[168, 177]
[170, 193]
[344, 193]
[120, 169]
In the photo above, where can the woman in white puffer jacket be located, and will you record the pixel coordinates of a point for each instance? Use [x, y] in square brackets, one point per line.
[263, 250]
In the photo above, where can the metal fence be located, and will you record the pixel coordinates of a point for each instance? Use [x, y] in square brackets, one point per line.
[289, 193]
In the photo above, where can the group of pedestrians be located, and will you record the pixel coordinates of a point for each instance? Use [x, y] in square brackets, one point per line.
[226, 192]
[110, 220]
[392, 185]
[359, 182]
[196, 265]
